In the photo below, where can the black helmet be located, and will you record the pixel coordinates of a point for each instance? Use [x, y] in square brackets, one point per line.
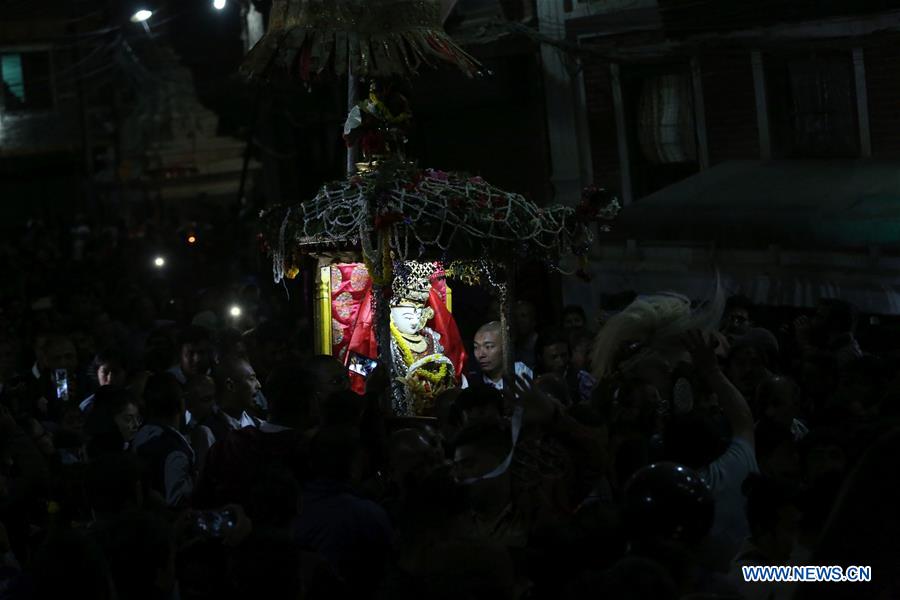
[666, 501]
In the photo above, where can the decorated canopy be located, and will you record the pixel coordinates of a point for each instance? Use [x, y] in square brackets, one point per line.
[408, 213]
[374, 38]
[413, 226]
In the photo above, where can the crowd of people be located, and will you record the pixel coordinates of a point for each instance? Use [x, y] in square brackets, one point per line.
[157, 445]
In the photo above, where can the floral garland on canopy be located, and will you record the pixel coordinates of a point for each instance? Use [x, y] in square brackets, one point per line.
[426, 214]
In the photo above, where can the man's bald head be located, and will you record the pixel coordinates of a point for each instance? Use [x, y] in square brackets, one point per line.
[493, 327]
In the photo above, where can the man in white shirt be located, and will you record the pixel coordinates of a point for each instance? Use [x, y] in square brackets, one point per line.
[236, 388]
[488, 351]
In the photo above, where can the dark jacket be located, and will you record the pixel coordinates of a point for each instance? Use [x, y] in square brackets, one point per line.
[237, 463]
[168, 460]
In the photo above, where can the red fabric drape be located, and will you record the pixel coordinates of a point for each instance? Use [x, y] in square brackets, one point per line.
[444, 323]
[362, 339]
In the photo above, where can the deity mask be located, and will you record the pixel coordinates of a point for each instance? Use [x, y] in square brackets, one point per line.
[409, 310]
[409, 318]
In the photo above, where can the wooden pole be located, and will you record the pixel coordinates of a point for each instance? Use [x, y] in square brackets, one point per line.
[351, 101]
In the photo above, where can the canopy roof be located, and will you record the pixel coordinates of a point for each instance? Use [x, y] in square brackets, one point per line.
[426, 214]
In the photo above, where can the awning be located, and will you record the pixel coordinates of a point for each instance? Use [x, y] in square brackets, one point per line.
[782, 233]
[823, 204]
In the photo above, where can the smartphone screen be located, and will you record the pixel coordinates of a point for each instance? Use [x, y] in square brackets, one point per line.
[361, 365]
[61, 377]
[214, 524]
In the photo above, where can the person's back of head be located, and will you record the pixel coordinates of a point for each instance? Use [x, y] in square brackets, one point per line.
[480, 402]
[335, 453]
[194, 335]
[328, 374]
[271, 342]
[163, 398]
[838, 316]
[287, 391]
[160, 351]
[105, 435]
[738, 301]
[738, 305]
[343, 408]
[480, 448]
[412, 454]
[230, 342]
[488, 436]
[113, 484]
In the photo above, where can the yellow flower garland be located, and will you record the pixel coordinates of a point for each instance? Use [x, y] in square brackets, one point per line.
[409, 359]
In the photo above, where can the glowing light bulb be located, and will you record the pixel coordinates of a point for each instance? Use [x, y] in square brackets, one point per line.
[159, 262]
[192, 239]
[219, 4]
[235, 311]
[141, 16]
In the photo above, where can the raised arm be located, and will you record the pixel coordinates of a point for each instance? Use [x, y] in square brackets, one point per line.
[732, 402]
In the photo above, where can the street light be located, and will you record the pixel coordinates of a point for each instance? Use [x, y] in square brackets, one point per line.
[219, 4]
[141, 15]
[159, 262]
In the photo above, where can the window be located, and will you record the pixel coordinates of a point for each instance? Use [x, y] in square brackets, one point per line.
[812, 103]
[662, 136]
[26, 80]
